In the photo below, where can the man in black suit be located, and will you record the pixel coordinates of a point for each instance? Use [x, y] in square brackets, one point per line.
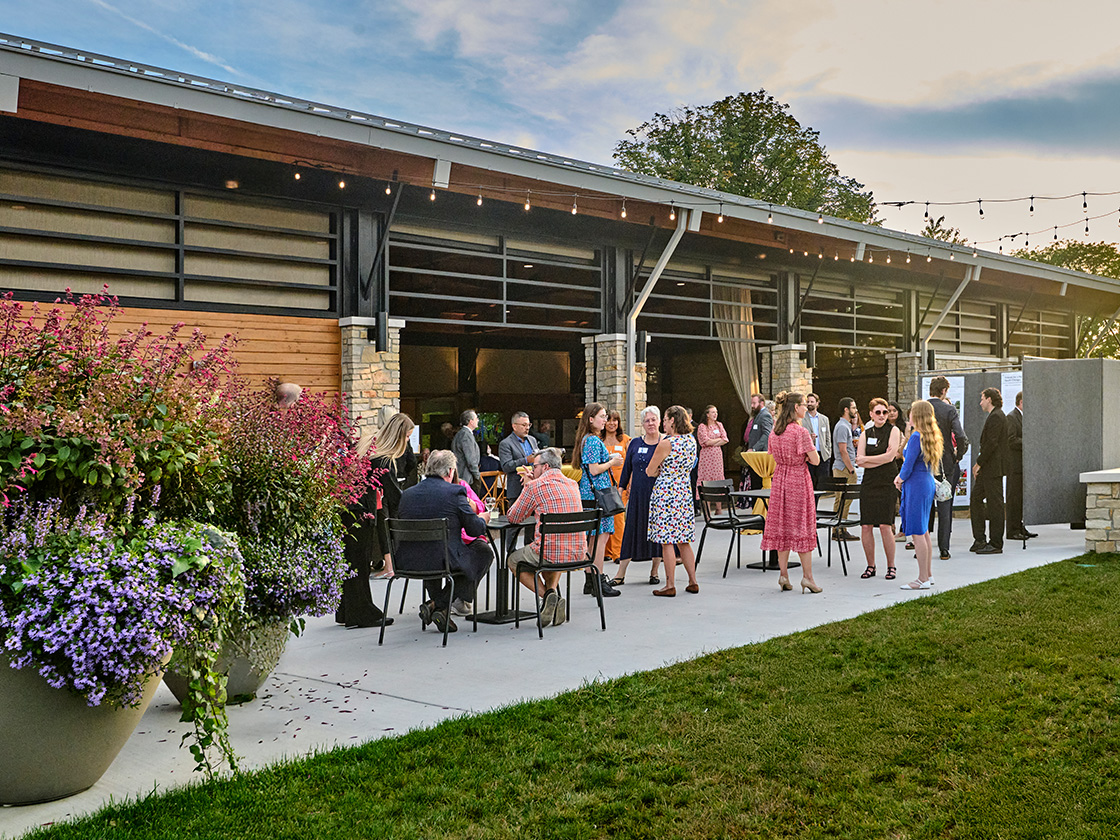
[987, 476]
[1015, 528]
[955, 444]
[437, 496]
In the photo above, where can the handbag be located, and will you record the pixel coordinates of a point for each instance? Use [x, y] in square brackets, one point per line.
[609, 500]
[942, 489]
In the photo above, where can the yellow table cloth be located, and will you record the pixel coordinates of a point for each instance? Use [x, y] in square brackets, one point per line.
[763, 464]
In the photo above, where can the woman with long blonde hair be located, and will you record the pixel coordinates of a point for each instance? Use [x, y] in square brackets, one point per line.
[915, 480]
[388, 455]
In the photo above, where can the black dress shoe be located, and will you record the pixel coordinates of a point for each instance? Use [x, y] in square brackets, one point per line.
[387, 621]
[1017, 537]
[977, 545]
[1030, 536]
[945, 555]
[990, 549]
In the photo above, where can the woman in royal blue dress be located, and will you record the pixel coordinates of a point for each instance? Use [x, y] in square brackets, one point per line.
[635, 543]
[591, 458]
[923, 459]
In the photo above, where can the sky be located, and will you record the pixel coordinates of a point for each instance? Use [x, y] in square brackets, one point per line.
[938, 101]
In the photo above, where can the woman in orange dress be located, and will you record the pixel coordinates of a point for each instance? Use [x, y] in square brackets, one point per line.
[616, 440]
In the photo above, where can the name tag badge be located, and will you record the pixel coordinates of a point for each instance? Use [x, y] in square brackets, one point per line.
[642, 450]
[872, 441]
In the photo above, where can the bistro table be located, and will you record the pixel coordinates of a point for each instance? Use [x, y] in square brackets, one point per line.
[762, 497]
[507, 532]
[762, 464]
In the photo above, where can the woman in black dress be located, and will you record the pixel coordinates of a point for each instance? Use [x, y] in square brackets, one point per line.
[391, 451]
[366, 540]
[876, 451]
[635, 545]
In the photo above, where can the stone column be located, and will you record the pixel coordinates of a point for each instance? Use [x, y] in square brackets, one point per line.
[370, 379]
[605, 381]
[787, 370]
[904, 378]
[1102, 510]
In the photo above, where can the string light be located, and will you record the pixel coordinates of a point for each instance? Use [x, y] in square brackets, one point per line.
[888, 257]
[870, 257]
[837, 257]
[853, 257]
[1032, 205]
[342, 185]
[1084, 203]
[624, 208]
[388, 189]
[770, 215]
[974, 250]
[980, 204]
[528, 203]
[927, 211]
[432, 197]
[820, 254]
[575, 204]
[929, 257]
[1086, 227]
[297, 176]
[1055, 233]
[820, 218]
[672, 211]
[908, 256]
[719, 218]
[479, 202]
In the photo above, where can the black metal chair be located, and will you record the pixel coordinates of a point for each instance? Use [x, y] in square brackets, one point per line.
[830, 520]
[434, 531]
[585, 521]
[719, 493]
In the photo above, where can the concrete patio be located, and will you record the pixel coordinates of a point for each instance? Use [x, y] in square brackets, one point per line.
[336, 687]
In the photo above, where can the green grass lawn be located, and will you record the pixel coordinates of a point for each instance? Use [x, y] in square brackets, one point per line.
[990, 711]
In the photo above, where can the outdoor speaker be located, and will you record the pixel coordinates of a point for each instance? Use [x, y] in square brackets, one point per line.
[811, 354]
[931, 359]
[640, 350]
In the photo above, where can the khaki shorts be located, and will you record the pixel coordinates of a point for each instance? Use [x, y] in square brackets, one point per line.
[522, 555]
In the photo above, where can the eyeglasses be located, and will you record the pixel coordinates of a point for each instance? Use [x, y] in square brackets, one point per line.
[878, 411]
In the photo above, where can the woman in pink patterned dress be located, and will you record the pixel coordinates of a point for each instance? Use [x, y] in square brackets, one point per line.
[791, 518]
[711, 436]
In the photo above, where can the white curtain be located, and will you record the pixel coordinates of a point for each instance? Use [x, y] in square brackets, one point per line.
[733, 315]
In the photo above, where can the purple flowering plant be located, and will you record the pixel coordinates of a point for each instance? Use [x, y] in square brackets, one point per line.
[289, 475]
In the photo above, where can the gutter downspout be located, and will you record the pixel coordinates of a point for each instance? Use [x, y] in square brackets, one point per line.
[686, 220]
[973, 273]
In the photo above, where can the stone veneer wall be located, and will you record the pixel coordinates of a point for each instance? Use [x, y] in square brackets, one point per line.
[605, 381]
[370, 379]
[1102, 510]
[783, 369]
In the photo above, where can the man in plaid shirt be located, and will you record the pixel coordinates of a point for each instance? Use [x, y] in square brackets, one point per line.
[546, 490]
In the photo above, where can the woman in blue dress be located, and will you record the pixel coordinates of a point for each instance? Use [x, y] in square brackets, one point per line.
[922, 460]
[635, 542]
[591, 458]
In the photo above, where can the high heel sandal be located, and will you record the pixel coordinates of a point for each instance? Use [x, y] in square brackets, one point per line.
[783, 584]
[869, 572]
[890, 575]
[810, 585]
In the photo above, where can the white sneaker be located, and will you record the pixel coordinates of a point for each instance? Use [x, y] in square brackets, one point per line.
[461, 607]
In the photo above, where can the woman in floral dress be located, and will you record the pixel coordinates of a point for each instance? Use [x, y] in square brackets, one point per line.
[671, 512]
[791, 517]
[712, 437]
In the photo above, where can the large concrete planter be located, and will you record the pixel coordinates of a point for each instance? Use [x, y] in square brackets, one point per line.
[52, 744]
[247, 660]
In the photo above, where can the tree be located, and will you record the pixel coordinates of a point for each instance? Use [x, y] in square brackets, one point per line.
[750, 145]
[937, 229]
[1102, 259]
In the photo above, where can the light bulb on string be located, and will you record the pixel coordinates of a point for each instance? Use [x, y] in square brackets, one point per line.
[1032, 205]
[820, 218]
[1001, 244]
[388, 189]
[342, 185]
[1055, 233]
[297, 175]
[672, 211]
[719, 218]
[836, 258]
[1084, 203]
[980, 204]
[853, 257]
[820, 255]
[888, 257]
[479, 202]
[927, 211]
[870, 257]
[432, 195]
[770, 215]
[575, 204]
[952, 255]
[974, 252]
[623, 214]
[528, 202]
[907, 256]
[929, 257]
[1086, 227]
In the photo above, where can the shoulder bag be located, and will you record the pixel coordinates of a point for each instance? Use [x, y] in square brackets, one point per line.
[609, 500]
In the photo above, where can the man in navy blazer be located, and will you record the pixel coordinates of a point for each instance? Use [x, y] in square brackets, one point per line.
[987, 477]
[438, 496]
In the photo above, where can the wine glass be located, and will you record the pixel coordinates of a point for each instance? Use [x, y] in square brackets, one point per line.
[491, 504]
